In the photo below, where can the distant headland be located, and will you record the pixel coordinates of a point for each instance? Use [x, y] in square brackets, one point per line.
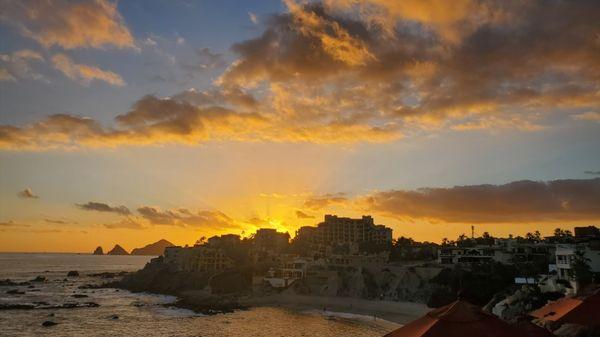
[154, 249]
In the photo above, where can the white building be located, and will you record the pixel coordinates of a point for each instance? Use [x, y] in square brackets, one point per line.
[565, 257]
[289, 270]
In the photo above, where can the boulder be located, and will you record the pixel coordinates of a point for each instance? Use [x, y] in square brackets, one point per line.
[7, 282]
[73, 273]
[39, 279]
[49, 323]
[16, 306]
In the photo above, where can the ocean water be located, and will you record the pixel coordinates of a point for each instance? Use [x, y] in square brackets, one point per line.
[141, 314]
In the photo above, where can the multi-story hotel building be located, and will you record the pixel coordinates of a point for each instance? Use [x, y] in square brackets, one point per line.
[336, 230]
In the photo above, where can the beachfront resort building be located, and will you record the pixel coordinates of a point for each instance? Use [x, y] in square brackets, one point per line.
[340, 231]
[269, 239]
[198, 258]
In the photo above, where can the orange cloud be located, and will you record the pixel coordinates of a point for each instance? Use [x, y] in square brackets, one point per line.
[328, 73]
[173, 121]
[450, 20]
[69, 24]
[84, 73]
[323, 201]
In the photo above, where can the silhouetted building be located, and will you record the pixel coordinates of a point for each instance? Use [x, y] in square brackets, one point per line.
[269, 239]
[224, 240]
[587, 232]
[339, 230]
[198, 258]
[335, 232]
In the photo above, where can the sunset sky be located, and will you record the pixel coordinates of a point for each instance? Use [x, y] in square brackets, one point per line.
[132, 121]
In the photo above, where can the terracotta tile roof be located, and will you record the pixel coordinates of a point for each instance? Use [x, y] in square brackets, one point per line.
[582, 311]
[458, 319]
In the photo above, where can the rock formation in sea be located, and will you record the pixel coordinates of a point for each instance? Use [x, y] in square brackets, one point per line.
[117, 250]
[98, 251]
[155, 249]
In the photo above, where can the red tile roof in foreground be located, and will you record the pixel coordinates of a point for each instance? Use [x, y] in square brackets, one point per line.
[458, 319]
[582, 311]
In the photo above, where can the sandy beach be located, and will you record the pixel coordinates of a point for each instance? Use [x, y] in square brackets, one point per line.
[396, 312]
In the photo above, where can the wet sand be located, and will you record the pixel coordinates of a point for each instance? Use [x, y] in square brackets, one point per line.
[396, 312]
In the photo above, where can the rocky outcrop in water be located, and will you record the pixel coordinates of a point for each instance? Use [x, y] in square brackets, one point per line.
[209, 305]
[98, 251]
[157, 277]
[153, 249]
[73, 273]
[117, 250]
[108, 274]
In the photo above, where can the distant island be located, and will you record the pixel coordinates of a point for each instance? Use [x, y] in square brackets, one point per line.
[117, 250]
[153, 249]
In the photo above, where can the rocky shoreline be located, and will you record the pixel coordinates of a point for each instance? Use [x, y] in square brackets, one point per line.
[158, 278]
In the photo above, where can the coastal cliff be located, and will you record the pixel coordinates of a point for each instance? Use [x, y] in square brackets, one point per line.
[159, 277]
[198, 291]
